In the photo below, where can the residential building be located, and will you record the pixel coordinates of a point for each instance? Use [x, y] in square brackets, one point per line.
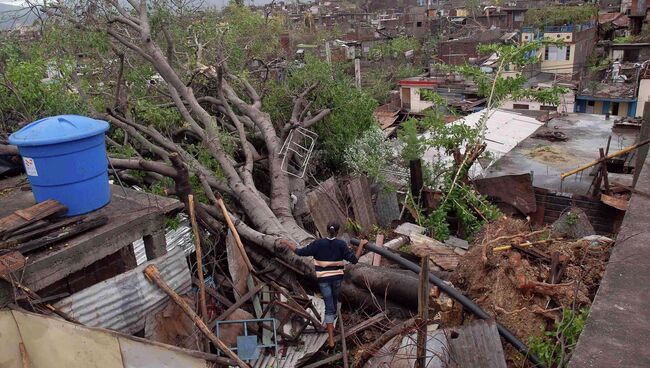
[616, 99]
[460, 95]
[570, 58]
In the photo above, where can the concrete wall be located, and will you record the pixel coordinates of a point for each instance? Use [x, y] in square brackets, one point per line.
[581, 43]
[617, 331]
[416, 104]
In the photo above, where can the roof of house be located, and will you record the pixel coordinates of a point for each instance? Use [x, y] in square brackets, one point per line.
[618, 19]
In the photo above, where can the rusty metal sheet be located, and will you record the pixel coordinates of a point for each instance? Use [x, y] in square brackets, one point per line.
[616, 202]
[325, 206]
[515, 190]
[364, 212]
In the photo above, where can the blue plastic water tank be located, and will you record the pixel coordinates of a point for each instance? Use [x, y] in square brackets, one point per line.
[65, 159]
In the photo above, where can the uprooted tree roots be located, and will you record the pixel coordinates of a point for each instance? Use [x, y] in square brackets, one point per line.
[523, 290]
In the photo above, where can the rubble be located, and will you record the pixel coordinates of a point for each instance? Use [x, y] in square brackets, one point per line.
[524, 292]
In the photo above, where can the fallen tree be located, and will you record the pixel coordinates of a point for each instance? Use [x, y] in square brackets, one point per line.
[224, 115]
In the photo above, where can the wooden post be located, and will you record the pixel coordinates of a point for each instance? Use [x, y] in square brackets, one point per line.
[235, 234]
[344, 347]
[357, 73]
[417, 181]
[423, 314]
[199, 263]
[328, 53]
[23, 355]
[603, 170]
[376, 257]
[152, 274]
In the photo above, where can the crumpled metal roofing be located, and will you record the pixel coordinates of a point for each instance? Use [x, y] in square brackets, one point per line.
[297, 354]
[122, 302]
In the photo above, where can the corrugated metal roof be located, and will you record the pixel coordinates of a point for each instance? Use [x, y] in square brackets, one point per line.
[179, 237]
[296, 354]
[504, 130]
[122, 302]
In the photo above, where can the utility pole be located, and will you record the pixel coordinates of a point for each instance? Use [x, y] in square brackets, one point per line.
[328, 53]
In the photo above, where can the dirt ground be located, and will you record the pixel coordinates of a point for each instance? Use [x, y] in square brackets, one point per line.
[515, 287]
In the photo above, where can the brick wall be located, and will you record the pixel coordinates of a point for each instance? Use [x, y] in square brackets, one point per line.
[110, 266]
[605, 219]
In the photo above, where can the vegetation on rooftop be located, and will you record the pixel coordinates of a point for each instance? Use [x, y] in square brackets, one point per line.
[560, 15]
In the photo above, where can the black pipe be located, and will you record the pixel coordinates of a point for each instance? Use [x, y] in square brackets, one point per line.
[465, 301]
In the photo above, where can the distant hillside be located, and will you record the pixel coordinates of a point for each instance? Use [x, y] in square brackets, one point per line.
[12, 16]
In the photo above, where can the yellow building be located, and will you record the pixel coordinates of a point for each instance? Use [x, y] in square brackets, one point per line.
[568, 58]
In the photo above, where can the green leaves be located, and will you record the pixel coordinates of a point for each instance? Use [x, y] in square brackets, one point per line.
[351, 109]
[560, 15]
[394, 48]
[548, 347]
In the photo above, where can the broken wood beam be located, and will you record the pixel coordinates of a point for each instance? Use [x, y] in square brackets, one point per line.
[27, 216]
[239, 303]
[235, 234]
[10, 262]
[344, 347]
[199, 263]
[603, 171]
[317, 325]
[24, 357]
[376, 257]
[375, 346]
[85, 225]
[152, 274]
[362, 326]
[325, 361]
[423, 314]
[28, 233]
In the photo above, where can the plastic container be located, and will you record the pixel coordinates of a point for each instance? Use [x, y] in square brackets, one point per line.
[65, 159]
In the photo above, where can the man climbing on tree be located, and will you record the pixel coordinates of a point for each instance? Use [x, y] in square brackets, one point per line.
[329, 254]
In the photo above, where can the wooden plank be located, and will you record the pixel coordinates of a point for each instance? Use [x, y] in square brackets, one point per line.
[423, 314]
[238, 304]
[443, 256]
[10, 262]
[63, 234]
[325, 361]
[325, 206]
[26, 216]
[364, 212]
[618, 203]
[376, 257]
[27, 236]
[362, 326]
